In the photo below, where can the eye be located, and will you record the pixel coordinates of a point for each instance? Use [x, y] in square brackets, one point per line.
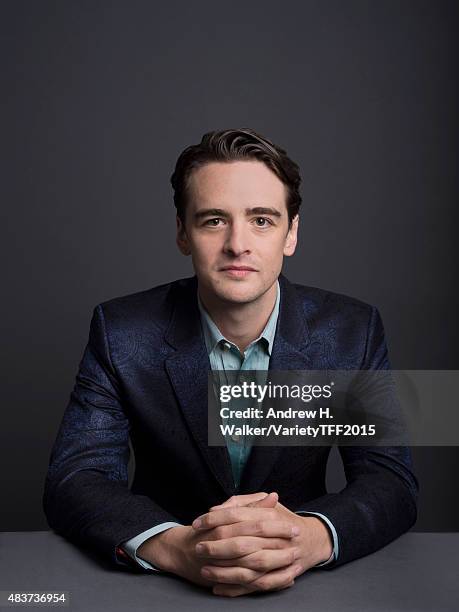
[214, 222]
[262, 222]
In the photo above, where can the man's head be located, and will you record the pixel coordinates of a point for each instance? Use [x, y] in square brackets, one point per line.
[237, 199]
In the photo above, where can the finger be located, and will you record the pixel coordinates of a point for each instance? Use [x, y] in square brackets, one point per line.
[266, 502]
[281, 577]
[230, 575]
[228, 590]
[228, 516]
[285, 587]
[240, 500]
[277, 579]
[232, 590]
[232, 548]
[264, 560]
[262, 529]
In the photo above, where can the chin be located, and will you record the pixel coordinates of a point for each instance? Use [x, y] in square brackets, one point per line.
[237, 293]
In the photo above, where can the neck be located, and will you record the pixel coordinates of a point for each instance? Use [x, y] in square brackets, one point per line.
[241, 323]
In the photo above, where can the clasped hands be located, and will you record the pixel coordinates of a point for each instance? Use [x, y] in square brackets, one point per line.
[254, 543]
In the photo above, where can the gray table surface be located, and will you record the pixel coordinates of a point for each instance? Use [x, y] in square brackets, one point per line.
[419, 571]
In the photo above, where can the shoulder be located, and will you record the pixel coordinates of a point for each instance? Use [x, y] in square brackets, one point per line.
[154, 305]
[130, 325]
[343, 329]
[319, 302]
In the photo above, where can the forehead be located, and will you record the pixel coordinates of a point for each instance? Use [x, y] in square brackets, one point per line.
[234, 184]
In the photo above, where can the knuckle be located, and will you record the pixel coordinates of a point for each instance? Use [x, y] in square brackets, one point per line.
[206, 521]
[240, 548]
[259, 527]
[241, 577]
[219, 532]
[287, 527]
[279, 544]
[262, 584]
[209, 573]
[232, 514]
[261, 562]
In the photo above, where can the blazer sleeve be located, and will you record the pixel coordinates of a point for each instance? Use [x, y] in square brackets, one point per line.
[379, 502]
[86, 496]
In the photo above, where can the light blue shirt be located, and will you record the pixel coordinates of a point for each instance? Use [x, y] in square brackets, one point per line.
[225, 356]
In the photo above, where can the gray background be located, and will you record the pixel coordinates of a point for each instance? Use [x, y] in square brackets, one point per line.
[98, 100]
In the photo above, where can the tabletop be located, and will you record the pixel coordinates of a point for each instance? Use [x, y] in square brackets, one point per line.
[418, 571]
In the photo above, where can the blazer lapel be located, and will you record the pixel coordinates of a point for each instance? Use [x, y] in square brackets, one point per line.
[188, 370]
[289, 353]
[189, 366]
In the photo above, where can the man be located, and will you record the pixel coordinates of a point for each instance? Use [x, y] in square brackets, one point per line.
[236, 519]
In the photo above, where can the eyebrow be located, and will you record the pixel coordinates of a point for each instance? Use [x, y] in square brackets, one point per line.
[219, 212]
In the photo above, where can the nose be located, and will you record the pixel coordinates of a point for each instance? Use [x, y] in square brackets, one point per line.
[236, 239]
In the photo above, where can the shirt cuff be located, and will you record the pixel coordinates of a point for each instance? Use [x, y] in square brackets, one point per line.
[131, 546]
[330, 525]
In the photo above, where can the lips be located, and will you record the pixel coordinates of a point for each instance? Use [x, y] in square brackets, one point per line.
[238, 271]
[239, 268]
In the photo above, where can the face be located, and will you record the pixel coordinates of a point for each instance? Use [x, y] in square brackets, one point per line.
[236, 229]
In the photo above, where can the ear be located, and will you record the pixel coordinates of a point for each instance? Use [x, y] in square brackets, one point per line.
[181, 238]
[291, 238]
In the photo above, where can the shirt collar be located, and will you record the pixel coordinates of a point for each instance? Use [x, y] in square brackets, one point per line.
[213, 335]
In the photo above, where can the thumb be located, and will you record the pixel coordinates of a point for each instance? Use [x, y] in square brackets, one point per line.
[267, 502]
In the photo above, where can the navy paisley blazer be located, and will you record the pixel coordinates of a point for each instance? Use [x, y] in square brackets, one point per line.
[143, 375]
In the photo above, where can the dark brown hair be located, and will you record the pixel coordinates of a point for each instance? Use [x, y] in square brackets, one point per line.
[231, 145]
